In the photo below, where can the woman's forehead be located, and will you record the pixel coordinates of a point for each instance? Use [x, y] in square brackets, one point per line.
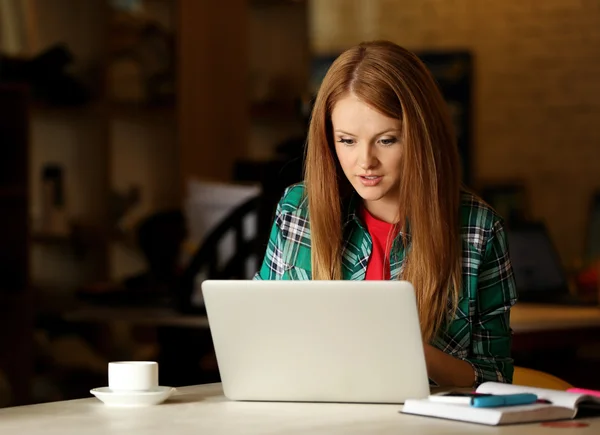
[351, 114]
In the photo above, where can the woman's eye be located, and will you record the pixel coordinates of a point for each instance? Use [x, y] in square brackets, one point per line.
[388, 142]
[346, 141]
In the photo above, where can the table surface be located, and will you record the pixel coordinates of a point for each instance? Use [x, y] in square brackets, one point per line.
[203, 409]
[527, 317]
[135, 316]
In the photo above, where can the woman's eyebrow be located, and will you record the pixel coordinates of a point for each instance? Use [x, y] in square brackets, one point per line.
[377, 134]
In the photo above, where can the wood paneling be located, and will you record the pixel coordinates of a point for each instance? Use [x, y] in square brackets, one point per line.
[212, 87]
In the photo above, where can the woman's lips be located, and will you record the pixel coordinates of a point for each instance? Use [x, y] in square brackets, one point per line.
[370, 180]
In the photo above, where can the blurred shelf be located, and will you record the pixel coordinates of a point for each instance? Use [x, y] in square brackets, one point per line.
[91, 109]
[53, 300]
[78, 239]
[81, 239]
[53, 239]
[104, 110]
[137, 111]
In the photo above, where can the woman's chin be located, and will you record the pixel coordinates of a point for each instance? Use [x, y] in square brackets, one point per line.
[370, 193]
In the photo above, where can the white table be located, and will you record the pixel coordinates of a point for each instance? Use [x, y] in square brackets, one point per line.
[200, 410]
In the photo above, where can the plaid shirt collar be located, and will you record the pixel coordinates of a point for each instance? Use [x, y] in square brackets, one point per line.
[358, 243]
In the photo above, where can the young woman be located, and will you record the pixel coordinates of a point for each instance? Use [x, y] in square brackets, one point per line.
[382, 199]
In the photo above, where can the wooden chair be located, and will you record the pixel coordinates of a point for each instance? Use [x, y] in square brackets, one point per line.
[184, 350]
[206, 258]
[538, 379]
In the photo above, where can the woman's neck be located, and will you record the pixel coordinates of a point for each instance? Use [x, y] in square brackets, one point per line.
[386, 211]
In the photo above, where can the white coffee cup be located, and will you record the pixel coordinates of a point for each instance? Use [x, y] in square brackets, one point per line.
[132, 375]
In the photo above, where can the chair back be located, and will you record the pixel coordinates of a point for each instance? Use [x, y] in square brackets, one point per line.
[206, 259]
[538, 379]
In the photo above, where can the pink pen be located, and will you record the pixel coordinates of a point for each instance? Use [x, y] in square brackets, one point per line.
[584, 391]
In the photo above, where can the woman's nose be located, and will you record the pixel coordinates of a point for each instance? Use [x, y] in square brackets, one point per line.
[366, 158]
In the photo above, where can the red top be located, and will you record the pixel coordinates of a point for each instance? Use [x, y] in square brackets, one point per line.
[378, 267]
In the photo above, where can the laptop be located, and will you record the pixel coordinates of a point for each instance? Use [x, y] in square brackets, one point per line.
[317, 341]
[539, 274]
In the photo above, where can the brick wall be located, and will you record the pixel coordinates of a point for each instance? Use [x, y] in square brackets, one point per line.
[537, 88]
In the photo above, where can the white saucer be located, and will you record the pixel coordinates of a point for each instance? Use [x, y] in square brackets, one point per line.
[133, 398]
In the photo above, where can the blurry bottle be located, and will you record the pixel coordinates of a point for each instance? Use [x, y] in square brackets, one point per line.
[54, 217]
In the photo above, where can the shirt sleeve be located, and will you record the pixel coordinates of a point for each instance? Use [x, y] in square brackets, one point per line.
[273, 267]
[491, 333]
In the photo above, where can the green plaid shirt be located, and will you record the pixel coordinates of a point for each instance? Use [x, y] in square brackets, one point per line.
[479, 332]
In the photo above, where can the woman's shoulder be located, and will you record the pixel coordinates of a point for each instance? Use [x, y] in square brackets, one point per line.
[293, 200]
[479, 220]
[475, 211]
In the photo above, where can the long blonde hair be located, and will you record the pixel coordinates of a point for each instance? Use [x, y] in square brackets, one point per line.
[396, 83]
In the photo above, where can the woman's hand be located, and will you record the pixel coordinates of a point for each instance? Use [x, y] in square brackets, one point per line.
[446, 370]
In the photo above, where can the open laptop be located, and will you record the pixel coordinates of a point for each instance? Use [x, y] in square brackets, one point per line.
[317, 341]
[539, 274]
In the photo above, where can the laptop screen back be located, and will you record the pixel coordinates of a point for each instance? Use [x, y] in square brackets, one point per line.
[535, 263]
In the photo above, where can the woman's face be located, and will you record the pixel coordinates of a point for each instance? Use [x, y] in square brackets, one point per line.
[369, 149]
